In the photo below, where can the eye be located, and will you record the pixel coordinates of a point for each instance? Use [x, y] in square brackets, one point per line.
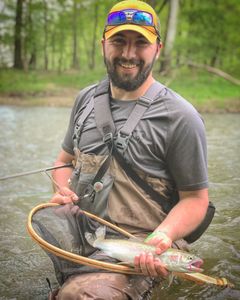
[118, 41]
[142, 43]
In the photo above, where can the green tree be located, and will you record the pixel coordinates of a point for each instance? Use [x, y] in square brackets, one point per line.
[170, 36]
[18, 63]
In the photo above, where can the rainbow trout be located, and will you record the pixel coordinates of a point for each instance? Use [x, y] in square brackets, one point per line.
[126, 250]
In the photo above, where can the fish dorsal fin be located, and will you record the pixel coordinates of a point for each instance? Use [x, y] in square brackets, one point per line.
[136, 239]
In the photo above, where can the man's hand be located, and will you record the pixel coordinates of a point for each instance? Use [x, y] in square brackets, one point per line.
[146, 262]
[64, 196]
[160, 240]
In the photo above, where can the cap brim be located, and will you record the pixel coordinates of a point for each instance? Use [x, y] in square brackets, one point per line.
[150, 36]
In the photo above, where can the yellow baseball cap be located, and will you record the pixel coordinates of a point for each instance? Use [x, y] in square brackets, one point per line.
[133, 15]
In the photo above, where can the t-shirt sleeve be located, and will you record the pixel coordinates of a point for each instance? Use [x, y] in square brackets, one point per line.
[67, 143]
[78, 107]
[187, 152]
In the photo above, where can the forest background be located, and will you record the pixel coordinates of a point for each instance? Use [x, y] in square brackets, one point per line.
[49, 50]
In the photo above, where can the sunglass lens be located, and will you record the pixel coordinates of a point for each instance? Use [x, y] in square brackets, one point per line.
[116, 18]
[142, 18]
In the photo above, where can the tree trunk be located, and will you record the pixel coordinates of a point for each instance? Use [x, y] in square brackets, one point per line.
[75, 60]
[215, 57]
[62, 46]
[33, 48]
[53, 49]
[45, 5]
[170, 36]
[18, 64]
[93, 50]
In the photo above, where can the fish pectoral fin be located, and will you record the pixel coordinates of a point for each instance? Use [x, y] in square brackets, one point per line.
[136, 239]
[170, 279]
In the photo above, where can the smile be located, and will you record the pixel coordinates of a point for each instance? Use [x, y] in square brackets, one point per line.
[128, 66]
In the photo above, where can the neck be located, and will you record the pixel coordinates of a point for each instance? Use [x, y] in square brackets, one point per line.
[131, 95]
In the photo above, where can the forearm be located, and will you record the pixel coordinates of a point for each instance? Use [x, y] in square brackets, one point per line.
[63, 194]
[186, 215]
[61, 176]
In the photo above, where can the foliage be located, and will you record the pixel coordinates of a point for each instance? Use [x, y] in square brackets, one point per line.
[65, 34]
[205, 91]
[209, 33]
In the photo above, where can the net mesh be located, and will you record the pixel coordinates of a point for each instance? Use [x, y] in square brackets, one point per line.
[64, 227]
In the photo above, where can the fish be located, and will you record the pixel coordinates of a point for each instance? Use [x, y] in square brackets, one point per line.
[126, 250]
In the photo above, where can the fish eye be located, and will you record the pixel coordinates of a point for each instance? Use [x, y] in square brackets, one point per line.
[190, 257]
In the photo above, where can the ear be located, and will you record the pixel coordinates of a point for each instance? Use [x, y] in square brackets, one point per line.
[103, 45]
[159, 46]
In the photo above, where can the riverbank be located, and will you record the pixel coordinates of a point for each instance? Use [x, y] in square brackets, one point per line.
[62, 98]
[208, 93]
[67, 99]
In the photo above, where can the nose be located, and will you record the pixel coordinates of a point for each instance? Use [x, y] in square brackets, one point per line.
[129, 50]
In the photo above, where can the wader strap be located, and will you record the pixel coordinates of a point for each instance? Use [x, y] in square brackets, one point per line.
[103, 115]
[80, 120]
[104, 120]
[142, 105]
[105, 124]
[79, 126]
[102, 111]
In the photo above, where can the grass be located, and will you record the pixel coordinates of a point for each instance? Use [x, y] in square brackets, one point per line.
[205, 91]
[15, 82]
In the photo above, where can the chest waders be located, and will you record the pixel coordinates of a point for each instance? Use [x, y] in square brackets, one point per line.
[93, 188]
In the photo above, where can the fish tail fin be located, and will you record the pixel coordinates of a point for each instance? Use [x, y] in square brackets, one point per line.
[90, 238]
[100, 232]
[99, 235]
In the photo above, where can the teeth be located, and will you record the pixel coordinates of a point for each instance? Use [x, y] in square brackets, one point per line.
[128, 66]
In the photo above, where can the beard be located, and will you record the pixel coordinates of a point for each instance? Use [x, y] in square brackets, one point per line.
[126, 81]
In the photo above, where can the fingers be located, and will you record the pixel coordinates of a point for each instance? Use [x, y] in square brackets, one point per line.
[64, 196]
[57, 198]
[67, 192]
[150, 265]
[160, 240]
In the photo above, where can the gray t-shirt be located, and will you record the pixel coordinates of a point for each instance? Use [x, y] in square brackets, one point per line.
[168, 142]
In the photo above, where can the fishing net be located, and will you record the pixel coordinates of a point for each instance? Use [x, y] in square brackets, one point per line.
[60, 231]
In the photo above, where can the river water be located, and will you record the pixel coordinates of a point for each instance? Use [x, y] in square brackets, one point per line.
[30, 139]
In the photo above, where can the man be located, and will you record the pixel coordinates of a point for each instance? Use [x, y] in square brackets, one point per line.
[168, 146]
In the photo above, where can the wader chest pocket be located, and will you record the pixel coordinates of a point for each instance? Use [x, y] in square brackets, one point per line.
[94, 200]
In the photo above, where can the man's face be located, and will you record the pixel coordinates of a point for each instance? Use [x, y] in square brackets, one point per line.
[129, 58]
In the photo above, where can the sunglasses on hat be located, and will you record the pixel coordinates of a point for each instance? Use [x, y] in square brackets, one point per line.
[131, 16]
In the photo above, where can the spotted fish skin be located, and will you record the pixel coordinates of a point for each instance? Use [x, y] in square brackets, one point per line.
[126, 250]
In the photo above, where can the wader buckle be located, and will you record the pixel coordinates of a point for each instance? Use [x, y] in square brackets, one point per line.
[121, 141]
